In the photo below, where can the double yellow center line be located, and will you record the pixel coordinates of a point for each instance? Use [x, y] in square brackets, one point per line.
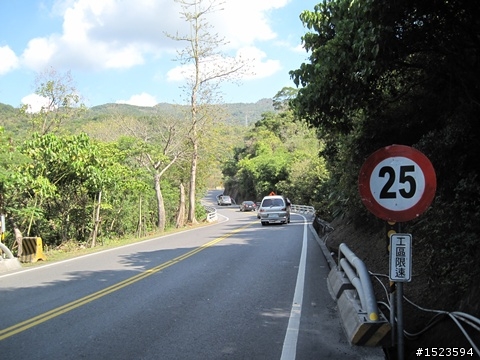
[39, 319]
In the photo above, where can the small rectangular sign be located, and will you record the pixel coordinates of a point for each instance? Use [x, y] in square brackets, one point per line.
[401, 257]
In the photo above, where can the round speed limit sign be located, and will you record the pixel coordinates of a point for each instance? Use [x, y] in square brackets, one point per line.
[397, 183]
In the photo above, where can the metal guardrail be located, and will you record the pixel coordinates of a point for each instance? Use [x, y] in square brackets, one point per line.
[211, 213]
[9, 262]
[322, 228]
[7, 251]
[302, 209]
[357, 273]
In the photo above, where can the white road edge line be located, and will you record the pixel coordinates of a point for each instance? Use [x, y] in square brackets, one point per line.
[290, 343]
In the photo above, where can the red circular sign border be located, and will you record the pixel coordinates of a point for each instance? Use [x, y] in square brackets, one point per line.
[396, 151]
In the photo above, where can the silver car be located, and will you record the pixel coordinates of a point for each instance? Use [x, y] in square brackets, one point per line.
[224, 200]
[274, 209]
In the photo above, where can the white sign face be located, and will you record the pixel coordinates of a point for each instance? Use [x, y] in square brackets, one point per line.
[401, 257]
[397, 183]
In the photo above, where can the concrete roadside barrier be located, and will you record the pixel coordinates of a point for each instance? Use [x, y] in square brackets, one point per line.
[359, 329]
[338, 282]
[9, 262]
[31, 250]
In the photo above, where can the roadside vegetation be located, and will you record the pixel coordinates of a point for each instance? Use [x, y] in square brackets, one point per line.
[279, 154]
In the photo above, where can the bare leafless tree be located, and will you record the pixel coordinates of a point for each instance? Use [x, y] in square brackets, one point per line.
[205, 68]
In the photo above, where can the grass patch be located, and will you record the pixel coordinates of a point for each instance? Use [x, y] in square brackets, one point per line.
[72, 249]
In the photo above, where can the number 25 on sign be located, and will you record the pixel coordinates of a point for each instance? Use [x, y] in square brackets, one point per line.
[397, 183]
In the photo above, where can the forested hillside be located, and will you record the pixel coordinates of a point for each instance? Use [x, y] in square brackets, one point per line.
[279, 153]
[236, 113]
[241, 114]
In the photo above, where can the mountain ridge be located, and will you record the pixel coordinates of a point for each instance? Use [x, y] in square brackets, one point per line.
[237, 113]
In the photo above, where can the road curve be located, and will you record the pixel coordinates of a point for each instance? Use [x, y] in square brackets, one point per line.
[231, 290]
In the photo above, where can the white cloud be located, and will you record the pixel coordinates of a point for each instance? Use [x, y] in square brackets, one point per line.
[255, 62]
[35, 103]
[8, 60]
[122, 34]
[38, 53]
[76, 49]
[142, 99]
[180, 73]
[300, 49]
[261, 66]
[243, 22]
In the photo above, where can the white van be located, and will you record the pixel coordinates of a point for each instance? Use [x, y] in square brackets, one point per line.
[224, 200]
[274, 209]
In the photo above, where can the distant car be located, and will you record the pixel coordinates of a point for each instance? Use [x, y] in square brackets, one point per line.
[224, 200]
[274, 209]
[247, 206]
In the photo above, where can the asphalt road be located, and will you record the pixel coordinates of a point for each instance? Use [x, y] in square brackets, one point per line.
[231, 290]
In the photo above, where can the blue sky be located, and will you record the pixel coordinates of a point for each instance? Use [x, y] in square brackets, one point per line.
[116, 51]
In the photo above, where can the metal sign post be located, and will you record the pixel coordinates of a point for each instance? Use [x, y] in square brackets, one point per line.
[397, 183]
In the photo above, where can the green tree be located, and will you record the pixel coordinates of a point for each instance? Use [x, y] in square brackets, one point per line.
[279, 154]
[282, 99]
[61, 190]
[11, 159]
[61, 100]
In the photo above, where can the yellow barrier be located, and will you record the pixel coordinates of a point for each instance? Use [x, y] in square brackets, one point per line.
[32, 250]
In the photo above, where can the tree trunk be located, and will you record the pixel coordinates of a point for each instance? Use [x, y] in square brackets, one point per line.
[193, 170]
[140, 222]
[97, 220]
[193, 180]
[18, 236]
[181, 208]
[160, 204]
